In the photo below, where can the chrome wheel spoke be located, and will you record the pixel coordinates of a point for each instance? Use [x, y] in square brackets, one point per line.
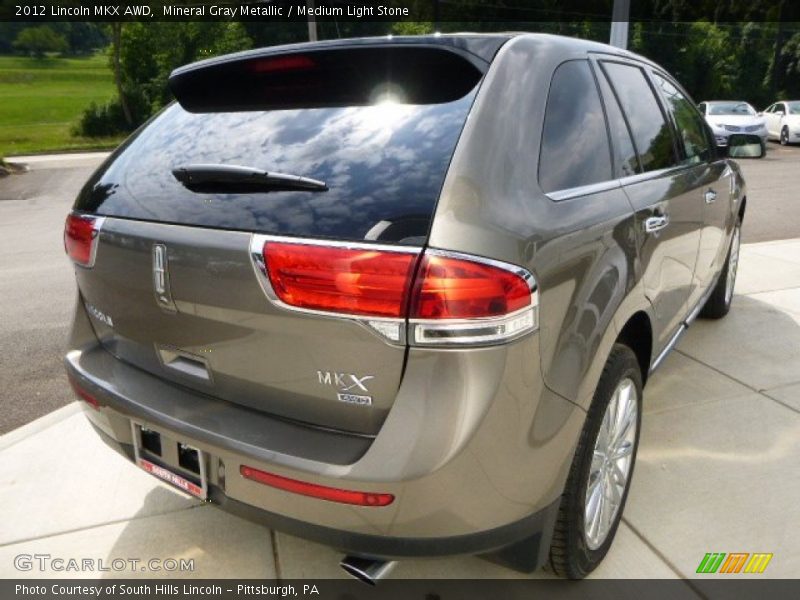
[733, 265]
[623, 450]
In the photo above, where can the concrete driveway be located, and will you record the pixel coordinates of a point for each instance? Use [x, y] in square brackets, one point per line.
[717, 470]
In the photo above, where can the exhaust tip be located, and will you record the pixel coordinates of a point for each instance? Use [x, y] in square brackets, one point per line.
[366, 570]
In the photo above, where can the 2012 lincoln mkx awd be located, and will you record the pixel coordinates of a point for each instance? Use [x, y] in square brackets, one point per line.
[402, 296]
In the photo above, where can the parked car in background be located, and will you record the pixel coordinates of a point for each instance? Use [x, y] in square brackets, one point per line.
[402, 296]
[783, 121]
[727, 117]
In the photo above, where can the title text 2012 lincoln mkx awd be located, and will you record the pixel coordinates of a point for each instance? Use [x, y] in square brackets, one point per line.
[402, 296]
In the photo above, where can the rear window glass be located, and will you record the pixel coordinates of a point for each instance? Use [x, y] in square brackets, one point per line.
[384, 165]
[575, 148]
[325, 78]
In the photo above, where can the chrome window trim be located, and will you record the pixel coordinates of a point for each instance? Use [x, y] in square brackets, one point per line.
[583, 190]
[372, 324]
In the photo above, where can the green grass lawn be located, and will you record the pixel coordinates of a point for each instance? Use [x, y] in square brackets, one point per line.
[41, 100]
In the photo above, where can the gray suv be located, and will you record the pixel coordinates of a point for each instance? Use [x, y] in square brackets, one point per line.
[401, 296]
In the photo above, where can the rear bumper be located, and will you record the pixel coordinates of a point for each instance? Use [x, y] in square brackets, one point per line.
[522, 544]
[475, 450]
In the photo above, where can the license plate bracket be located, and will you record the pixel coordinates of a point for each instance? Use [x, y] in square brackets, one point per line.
[195, 485]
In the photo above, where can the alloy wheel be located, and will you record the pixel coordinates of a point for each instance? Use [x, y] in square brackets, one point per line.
[611, 463]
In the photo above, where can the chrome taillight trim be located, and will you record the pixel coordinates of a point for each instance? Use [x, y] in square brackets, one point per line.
[474, 332]
[485, 331]
[97, 225]
[391, 330]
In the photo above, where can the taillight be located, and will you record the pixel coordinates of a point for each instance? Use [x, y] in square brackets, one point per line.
[83, 394]
[314, 490]
[450, 287]
[354, 281]
[439, 298]
[292, 62]
[80, 238]
[465, 300]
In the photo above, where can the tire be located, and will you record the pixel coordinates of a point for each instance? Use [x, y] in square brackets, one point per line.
[785, 136]
[719, 302]
[575, 551]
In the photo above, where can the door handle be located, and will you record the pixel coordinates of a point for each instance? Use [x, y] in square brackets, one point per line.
[655, 223]
[710, 196]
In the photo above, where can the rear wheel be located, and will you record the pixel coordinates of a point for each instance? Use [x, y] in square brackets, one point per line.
[599, 479]
[785, 136]
[719, 302]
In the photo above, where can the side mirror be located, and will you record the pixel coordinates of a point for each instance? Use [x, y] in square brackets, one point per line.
[746, 146]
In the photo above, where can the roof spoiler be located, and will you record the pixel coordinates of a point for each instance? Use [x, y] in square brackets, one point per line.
[359, 72]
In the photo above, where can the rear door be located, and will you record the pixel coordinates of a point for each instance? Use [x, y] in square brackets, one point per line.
[179, 287]
[668, 214]
[712, 181]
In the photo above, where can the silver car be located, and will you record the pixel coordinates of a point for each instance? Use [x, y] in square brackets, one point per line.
[727, 117]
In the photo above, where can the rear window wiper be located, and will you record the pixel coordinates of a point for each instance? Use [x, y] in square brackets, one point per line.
[210, 178]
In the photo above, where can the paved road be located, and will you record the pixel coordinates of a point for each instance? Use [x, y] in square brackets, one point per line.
[773, 195]
[37, 289]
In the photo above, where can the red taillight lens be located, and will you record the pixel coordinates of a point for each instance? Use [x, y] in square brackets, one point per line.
[80, 235]
[278, 64]
[352, 281]
[432, 299]
[316, 491]
[456, 288]
[83, 394]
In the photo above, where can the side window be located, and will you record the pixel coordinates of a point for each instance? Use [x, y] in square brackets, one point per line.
[689, 122]
[575, 148]
[651, 133]
[625, 160]
[702, 108]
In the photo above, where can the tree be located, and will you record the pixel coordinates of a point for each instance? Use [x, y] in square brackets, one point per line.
[787, 73]
[116, 48]
[36, 41]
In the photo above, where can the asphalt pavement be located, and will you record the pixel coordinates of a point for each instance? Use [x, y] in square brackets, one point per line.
[37, 287]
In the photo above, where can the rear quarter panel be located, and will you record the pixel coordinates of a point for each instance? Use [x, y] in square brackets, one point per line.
[582, 251]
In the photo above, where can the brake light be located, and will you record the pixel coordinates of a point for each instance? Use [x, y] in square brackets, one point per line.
[314, 490]
[80, 238]
[437, 297]
[458, 288]
[358, 281]
[282, 64]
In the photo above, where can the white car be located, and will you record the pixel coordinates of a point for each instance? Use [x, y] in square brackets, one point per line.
[727, 117]
[783, 121]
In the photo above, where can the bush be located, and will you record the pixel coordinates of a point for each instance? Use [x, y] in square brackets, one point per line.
[36, 41]
[105, 120]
